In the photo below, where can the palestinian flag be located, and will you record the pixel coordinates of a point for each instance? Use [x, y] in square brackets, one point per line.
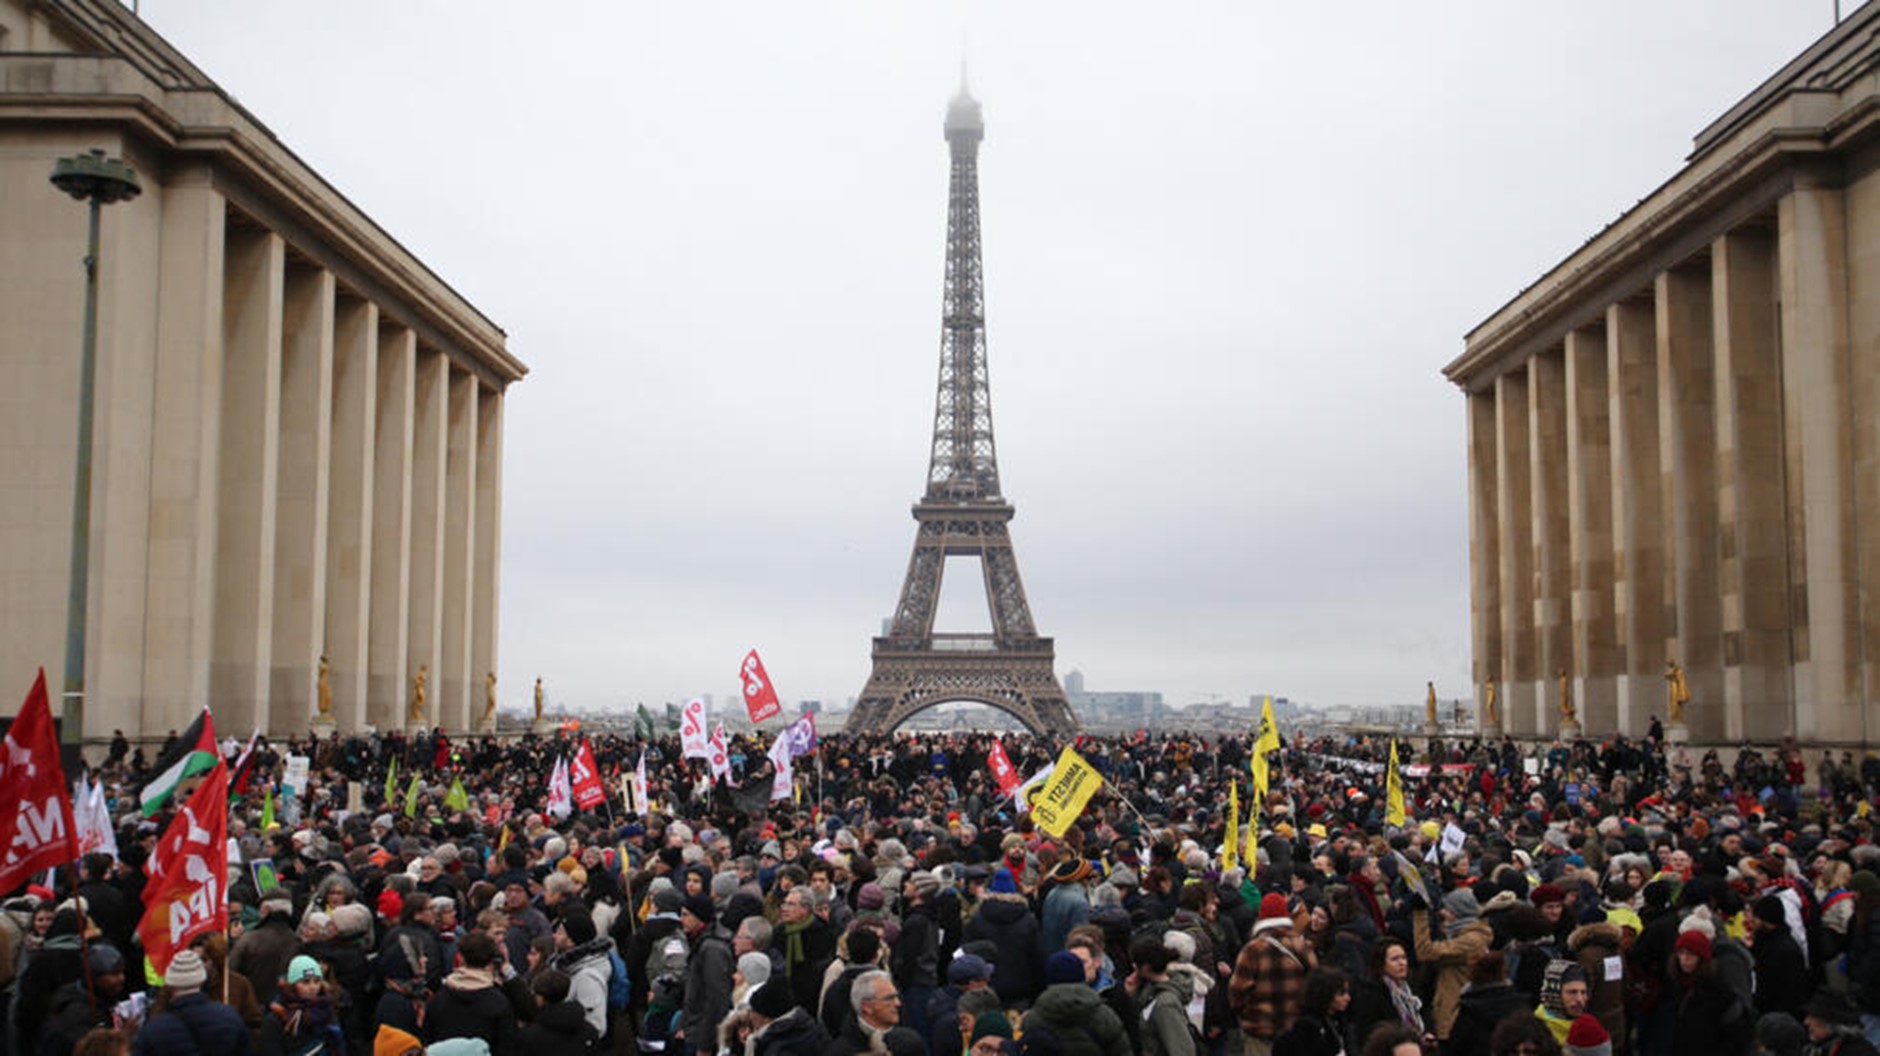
[195, 753]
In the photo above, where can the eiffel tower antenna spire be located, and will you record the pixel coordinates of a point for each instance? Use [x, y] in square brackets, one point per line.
[963, 512]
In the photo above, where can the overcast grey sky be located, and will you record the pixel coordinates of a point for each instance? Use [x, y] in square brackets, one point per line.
[1228, 248]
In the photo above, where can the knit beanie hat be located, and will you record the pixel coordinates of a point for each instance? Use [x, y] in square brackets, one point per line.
[1695, 941]
[579, 924]
[1559, 974]
[394, 1042]
[1779, 1033]
[1547, 894]
[773, 1000]
[1588, 1038]
[1003, 883]
[666, 898]
[1063, 967]
[186, 971]
[755, 967]
[926, 884]
[1769, 910]
[872, 897]
[1273, 906]
[991, 1025]
[1462, 904]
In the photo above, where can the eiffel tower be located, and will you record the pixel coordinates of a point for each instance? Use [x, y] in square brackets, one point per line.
[963, 513]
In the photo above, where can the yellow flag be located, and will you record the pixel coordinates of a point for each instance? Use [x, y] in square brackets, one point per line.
[1230, 847]
[1393, 791]
[1267, 740]
[1061, 801]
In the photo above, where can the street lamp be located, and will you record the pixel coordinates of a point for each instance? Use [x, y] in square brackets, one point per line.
[99, 181]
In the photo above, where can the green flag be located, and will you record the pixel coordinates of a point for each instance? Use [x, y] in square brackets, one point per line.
[457, 798]
[391, 781]
[267, 812]
[411, 797]
[643, 723]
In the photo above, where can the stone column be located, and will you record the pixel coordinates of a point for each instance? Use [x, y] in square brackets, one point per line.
[300, 528]
[1514, 519]
[1757, 702]
[426, 623]
[249, 463]
[1637, 521]
[486, 562]
[1687, 456]
[1547, 450]
[179, 625]
[1818, 414]
[350, 507]
[1589, 513]
[391, 529]
[456, 681]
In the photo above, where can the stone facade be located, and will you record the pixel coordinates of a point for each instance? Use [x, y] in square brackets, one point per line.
[1674, 436]
[298, 446]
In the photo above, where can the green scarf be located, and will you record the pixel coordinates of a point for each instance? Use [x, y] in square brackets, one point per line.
[793, 945]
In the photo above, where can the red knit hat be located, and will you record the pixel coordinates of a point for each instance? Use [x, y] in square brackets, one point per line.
[1547, 893]
[391, 904]
[1274, 905]
[1587, 1032]
[1695, 941]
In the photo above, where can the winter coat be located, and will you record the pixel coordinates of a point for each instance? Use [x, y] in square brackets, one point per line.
[818, 947]
[1006, 922]
[470, 1005]
[639, 948]
[559, 1028]
[71, 1017]
[1477, 1013]
[241, 998]
[1269, 979]
[898, 1041]
[1067, 906]
[1451, 958]
[1782, 980]
[795, 1034]
[589, 970]
[1710, 1019]
[707, 988]
[1594, 946]
[1084, 1025]
[1314, 1036]
[51, 967]
[193, 1025]
[837, 1007]
[1164, 1015]
[261, 955]
[914, 961]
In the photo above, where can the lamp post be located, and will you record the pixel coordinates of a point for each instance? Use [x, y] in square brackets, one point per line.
[99, 181]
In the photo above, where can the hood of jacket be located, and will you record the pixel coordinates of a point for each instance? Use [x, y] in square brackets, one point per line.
[1003, 910]
[1199, 982]
[1600, 934]
[469, 981]
[575, 958]
[1181, 987]
[1068, 1003]
[563, 1017]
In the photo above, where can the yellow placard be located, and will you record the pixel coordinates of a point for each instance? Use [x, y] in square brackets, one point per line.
[1073, 781]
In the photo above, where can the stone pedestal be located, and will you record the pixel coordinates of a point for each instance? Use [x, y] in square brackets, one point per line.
[1677, 733]
[416, 726]
[544, 727]
[324, 726]
[486, 724]
[1569, 731]
[1491, 731]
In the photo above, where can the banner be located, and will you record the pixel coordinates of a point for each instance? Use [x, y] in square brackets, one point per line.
[1004, 774]
[1267, 740]
[802, 736]
[93, 820]
[784, 784]
[643, 723]
[295, 776]
[1393, 791]
[1021, 798]
[560, 791]
[391, 781]
[641, 801]
[694, 742]
[194, 753]
[1073, 781]
[36, 825]
[457, 798]
[720, 756]
[1230, 847]
[187, 892]
[760, 697]
[586, 779]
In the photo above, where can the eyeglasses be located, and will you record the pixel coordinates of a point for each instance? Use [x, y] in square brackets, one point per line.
[885, 997]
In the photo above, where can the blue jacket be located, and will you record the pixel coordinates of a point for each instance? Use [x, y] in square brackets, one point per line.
[216, 1027]
[1067, 906]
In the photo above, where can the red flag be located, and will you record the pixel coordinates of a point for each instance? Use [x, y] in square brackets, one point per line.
[35, 813]
[1002, 769]
[586, 778]
[189, 897]
[760, 697]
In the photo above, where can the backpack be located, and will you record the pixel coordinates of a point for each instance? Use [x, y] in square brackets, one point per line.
[619, 987]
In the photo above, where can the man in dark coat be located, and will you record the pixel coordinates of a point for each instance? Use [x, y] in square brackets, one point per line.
[192, 1024]
[262, 954]
[470, 1004]
[876, 1025]
[1782, 980]
[1005, 920]
[806, 945]
[77, 1008]
[707, 975]
[640, 942]
[864, 951]
[782, 1026]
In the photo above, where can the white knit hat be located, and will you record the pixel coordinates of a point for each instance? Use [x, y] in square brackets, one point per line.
[186, 971]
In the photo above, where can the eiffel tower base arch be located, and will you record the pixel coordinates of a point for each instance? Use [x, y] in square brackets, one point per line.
[908, 680]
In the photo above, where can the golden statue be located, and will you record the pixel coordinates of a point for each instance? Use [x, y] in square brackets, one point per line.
[1429, 706]
[326, 688]
[1488, 704]
[538, 700]
[489, 695]
[417, 693]
[1677, 692]
[1567, 714]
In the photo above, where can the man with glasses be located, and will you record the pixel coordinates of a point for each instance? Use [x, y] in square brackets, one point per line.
[877, 1023]
[806, 944]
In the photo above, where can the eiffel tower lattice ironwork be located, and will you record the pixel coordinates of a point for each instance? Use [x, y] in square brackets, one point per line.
[963, 513]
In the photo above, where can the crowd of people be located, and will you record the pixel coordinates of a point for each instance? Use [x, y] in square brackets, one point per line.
[1593, 898]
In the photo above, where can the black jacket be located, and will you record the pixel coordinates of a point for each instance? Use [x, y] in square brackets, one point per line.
[72, 1016]
[1782, 980]
[914, 959]
[194, 1025]
[796, 1034]
[837, 1008]
[557, 1028]
[853, 1041]
[469, 1006]
[1312, 1036]
[707, 989]
[1007, 922]
[819, 948]
[1480, 1008]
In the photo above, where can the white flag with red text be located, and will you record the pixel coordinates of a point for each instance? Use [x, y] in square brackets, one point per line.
[720, 756]
[694, 742]
[784, 783]
[560, 793]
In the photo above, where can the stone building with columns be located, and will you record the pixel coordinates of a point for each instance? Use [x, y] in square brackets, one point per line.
[1674, 437]
[298, 439]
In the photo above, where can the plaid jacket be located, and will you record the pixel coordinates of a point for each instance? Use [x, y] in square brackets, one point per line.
[1269, 980]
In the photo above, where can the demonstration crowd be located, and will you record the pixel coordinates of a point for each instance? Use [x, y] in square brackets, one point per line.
[408, 895]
